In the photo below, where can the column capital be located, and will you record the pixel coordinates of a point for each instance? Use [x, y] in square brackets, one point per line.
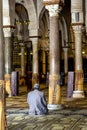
[77, 28]
[51, 2]
[34, 40]
[28, 44]
[22, 44]
[8, 30]
[53, 9]
[65, 49]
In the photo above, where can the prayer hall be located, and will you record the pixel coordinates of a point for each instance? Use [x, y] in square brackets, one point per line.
[43, 42]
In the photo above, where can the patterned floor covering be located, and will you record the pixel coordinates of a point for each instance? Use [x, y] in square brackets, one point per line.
[73, 116]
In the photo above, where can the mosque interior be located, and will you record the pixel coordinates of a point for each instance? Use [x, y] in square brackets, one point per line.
[45, 42]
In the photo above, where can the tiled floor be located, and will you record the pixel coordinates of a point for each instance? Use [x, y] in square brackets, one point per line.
[72, 117]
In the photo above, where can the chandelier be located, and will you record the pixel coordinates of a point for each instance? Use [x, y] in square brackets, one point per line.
[25, 22]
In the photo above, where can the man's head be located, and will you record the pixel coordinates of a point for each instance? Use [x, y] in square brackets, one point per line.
[36, 86]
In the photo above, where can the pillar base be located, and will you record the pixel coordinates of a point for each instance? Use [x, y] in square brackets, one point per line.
[10, 95]
[54, 107]
[78, 94]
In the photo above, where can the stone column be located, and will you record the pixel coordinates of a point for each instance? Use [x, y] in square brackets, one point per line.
[54, 77]
[3, 124]
[35, 71]
[29, 66]
[65, 63]
[77, 24]
[8, 28]
[29, 56]
[22, 60]
[44, 62]
[78, 62]
[8, 57]
[2, 85]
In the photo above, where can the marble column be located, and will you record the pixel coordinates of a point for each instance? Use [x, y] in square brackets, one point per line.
[65, 63]
[22, 60]
[44, 62]
[54, 77]
[8, 56]
[8, 29]
[47, 61]
[29, 66]
[78, 93]
[35, 71]
[29, 56]
[2, 84]
[77, 20]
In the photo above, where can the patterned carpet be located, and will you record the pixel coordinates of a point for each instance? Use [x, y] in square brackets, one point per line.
[53, 121]
[72, 117]
[49, 122]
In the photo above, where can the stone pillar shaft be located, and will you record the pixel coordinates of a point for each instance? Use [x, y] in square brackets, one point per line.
[22, 61]
[35, 71]
[3, 124]
[66, 64]
[65, 60]
[54, 61]
[78, 93]
[35, 58]
[54, 77]
[8, 57]
[29, 56]
[54, 46]
[44, 62]
[77, 24]
[2, 85]
[28, 60]
[78, 50]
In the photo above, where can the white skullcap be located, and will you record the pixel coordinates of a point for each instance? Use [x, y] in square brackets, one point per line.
[36, 86]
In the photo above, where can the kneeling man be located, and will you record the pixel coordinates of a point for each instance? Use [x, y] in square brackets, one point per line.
[37, 102]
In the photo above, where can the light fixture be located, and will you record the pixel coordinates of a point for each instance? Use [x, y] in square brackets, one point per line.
[25, 22]
[31, 53]
[24, 54]
[83, 52]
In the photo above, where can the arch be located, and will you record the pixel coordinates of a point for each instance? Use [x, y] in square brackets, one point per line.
[66, 39]
[22, 21]
[21, 11]
[32, 15]
[43, 41]
[64, 31]
[44, 18]
[30, 6]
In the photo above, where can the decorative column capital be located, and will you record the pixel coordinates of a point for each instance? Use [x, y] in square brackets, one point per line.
[34, 40]
[28, 44]
[53, 9]
[8, 30]
[77, 28]
[65, 49]
[51, 2]
[22, 45]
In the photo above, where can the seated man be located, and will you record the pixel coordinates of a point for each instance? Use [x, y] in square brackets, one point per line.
[37, 102]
